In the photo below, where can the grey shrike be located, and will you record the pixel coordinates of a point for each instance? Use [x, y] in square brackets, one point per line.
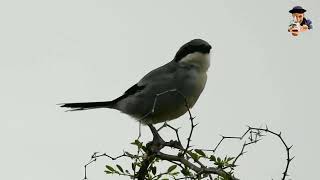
[161, 95]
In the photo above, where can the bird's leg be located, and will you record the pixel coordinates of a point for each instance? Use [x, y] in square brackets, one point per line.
[157, 142]
[156, 136]
[139, 130]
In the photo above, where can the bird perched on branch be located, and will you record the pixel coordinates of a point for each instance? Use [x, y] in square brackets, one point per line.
[165, 93]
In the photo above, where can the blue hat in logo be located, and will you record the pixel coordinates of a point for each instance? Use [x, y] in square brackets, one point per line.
[297, 9]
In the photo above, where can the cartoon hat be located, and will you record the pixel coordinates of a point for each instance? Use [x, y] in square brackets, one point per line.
[297, 9]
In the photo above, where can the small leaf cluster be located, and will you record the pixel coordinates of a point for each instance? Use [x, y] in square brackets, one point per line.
[137, 159]
[223, 163]
[174, 171]
[118, 170]
[220, 163]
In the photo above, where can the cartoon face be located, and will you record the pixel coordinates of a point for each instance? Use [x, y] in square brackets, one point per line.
[298, 17]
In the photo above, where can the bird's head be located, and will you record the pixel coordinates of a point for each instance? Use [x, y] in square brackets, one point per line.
[194, 52]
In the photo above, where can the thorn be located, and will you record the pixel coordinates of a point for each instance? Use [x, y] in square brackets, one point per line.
[289, 147]
[279, 133]
[291, 158]
[244, 152]
[266, 128]
[94, 154]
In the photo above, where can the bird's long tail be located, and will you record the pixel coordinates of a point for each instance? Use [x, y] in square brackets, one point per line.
[88, 105]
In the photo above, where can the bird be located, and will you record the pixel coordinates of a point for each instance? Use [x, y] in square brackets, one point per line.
[165, 93]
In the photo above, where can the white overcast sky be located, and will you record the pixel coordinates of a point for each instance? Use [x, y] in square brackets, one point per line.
[90, 50]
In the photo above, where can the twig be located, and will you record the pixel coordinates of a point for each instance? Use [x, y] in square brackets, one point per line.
[94, 158]
[288, 148]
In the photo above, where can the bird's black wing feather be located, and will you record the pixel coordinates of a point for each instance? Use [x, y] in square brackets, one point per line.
[131, 91]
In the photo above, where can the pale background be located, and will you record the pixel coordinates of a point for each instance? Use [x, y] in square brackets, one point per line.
[80, 50]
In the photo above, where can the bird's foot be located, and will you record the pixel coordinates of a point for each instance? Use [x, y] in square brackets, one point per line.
[157, 142]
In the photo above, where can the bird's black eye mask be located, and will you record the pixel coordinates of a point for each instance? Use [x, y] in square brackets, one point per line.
[196, 45]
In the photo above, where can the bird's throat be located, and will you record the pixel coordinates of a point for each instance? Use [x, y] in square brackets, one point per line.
[202, 61]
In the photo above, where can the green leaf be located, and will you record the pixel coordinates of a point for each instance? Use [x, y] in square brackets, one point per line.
[110, 168]
[137, 143]
[200, 152]
[174, 173]
[194, 156]
[213, 158]
[171, 168]
[165, 179]
[108, 172]
[120, 168]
